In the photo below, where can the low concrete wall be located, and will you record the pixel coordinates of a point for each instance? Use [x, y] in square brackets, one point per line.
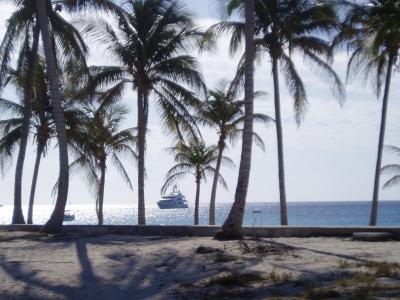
[186, 230]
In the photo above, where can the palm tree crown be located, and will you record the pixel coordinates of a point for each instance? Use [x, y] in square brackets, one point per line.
[286, 27]
[372, 32]
[196, 159]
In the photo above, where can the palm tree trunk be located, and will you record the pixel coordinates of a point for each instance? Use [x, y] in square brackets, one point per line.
[101, 193]
[231, 229]
[39, 153]
[197, 201]
[279, 136]
[54, 224]
[221, 146]
[18, 217]
[375, 197]
[141, 157]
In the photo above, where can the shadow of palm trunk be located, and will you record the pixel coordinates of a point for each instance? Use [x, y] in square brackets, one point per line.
[87, 275]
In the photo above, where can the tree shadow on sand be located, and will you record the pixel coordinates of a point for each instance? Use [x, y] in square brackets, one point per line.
[126, 278]
[167, 274]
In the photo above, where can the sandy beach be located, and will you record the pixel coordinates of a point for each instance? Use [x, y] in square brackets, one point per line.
[36, 266]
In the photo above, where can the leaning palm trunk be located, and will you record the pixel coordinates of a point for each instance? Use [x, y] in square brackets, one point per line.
[39, 153]
[141, 157]
[197, 201]
[374, 209]
[18, 217]
[101, 195]
[279, 135]
[54, 224]
[221, 146]
[232, 227]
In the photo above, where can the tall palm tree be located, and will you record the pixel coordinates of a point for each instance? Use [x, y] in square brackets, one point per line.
[98, 141]
[231, 229]
[392, 169]
[23, 27]
[42, 127]
[152, 42]
[284, 27]
[225, 112]
[371, 31]
[45, 14]
[197, 159]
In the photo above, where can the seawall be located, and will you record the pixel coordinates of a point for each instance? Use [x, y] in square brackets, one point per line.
[205, 231]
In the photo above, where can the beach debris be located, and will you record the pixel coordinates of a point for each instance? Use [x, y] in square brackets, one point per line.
[264, 247]
[207, 250]
[236, 279]
[372, 236]
[221, 257]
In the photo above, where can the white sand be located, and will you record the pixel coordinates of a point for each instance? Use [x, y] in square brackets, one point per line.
[33, 266]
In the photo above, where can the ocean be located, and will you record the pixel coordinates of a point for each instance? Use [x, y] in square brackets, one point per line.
[300, 214]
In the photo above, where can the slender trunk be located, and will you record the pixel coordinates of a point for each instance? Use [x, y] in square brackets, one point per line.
[279, 136]
[375, 197]
[18, 217]
[197, 201]
[39, 153]
[232, 227]
[101, 193]
[221, 147]
[142, 124]
[54, 224]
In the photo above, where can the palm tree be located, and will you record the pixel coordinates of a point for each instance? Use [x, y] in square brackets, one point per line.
[231, 228]
[99, 140]
[151, 42]
[284, 27]
[21, 26]
[371, 31]
[225, 112]
[41, 124]
[392, 169]
[45, 15]
[197, 159]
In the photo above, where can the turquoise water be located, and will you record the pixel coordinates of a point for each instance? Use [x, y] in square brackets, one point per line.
[305, 214]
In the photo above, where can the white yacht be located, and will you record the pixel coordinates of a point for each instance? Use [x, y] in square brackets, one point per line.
[174, 200]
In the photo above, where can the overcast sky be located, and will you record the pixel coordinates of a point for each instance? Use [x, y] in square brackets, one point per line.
[331, 157]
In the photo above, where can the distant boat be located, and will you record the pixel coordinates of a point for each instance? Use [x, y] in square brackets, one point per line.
[257, 211]
[68, 216]
[174, 200]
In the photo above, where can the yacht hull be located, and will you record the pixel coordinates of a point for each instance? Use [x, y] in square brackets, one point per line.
[162, 205]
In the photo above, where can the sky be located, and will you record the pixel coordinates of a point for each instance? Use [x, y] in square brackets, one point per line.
[330, 157]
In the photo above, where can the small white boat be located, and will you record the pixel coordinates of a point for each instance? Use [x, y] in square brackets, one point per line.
[174, 200]
[68, 216]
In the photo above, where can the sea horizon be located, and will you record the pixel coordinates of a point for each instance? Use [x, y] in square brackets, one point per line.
[311, 213]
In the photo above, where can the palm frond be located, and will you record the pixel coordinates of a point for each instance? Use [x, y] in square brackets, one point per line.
[395, 180]
[295, 86]
[121, 169]
[172, 180]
